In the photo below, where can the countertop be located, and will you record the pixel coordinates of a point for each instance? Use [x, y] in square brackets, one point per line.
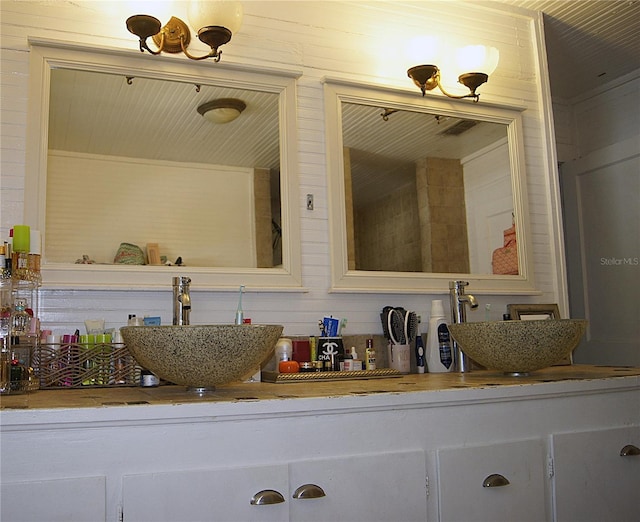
[550, 380]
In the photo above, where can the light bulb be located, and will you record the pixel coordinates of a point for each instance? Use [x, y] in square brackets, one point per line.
[477, 58]
[423, 50]
[224, 13]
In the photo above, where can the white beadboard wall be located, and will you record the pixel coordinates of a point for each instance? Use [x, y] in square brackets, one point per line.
[363, 41]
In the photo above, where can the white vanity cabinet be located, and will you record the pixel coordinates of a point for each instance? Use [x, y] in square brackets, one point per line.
[597, 475]
[496, 482]
[383, 486]
[78, 499]
[414, 448]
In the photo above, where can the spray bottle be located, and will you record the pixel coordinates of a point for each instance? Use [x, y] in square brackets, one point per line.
[439, 357]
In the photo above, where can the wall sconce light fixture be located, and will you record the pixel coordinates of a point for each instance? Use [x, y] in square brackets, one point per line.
[469, 59]
[218, 20]
[222, 110]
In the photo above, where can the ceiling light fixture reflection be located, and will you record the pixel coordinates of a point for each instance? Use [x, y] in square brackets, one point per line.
[218, 21]
[222, 110]
[476, 62]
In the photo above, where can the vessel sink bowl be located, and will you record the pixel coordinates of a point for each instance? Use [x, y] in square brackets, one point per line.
[519, 347]
[201, 356]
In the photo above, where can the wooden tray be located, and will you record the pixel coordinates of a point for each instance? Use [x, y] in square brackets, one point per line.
[277, 378]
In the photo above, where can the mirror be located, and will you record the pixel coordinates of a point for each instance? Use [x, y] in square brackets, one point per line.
[146, 167]
[424, 191]
[124, 156]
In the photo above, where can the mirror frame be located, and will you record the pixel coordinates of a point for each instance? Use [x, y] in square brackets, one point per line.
[48, 54]
[337, 91]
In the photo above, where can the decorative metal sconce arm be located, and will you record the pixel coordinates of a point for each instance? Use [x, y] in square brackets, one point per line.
[214, 36]
[144, 26]
[175, 36]
[427, 78]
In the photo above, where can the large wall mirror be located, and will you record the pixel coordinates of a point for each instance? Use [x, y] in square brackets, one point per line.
[424, 191]
[122, 152]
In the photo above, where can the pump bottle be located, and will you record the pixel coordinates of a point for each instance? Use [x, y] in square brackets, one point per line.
[439, 356]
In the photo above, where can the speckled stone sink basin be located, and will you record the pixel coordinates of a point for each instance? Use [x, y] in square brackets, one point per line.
[201, 356]
[519, 347]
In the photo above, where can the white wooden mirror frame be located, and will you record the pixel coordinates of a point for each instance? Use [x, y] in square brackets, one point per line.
[336, 92]
[47, 54]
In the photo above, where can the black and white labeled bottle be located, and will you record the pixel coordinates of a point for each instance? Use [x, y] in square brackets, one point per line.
[439, 356]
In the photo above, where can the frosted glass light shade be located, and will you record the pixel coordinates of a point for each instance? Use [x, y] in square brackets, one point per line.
[224, 13]
[221, 115]
[222, 110]
[477, 58]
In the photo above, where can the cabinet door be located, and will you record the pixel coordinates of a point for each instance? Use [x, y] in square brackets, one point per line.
[65, 500]
[379, 487]
[592, 481]
[462, 473]
[221, 494]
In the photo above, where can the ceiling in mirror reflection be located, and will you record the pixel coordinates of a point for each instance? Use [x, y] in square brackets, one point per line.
[158, 120]
[384, 153]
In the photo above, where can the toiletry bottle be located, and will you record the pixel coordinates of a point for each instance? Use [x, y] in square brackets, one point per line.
[5, 366]
[438, 353]
[6, 300]
[356, 363]
[370, 356]
[313, 348]
[347, 363]
[119, 362]
[420, 363]
[21, 319]
[283, 351]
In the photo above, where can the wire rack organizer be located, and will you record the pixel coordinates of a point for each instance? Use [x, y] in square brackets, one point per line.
[75, 365]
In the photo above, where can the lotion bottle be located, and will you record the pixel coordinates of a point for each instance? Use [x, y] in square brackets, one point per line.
[439, 357]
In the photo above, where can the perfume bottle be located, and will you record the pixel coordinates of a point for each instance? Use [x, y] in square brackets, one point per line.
[20, 320]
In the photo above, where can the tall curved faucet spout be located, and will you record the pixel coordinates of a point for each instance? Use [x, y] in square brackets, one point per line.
[459, 300]
[181, 300]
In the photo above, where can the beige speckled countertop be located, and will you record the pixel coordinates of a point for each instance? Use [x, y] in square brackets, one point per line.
[252, 392]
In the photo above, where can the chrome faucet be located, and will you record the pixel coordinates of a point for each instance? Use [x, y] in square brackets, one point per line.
[459, 300]
[181, 300]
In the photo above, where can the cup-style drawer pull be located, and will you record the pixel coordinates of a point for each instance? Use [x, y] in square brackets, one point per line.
[308, 491]
[630, 451]
[266, 497]
[495, 481]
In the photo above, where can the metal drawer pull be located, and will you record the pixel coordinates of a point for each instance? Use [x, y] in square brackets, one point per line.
[266, 497]
[495, 481]
[630, 451]
[308, 491]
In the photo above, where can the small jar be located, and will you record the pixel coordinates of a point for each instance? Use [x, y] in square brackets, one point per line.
[148, 379]
[288, 367]
[306, 367]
